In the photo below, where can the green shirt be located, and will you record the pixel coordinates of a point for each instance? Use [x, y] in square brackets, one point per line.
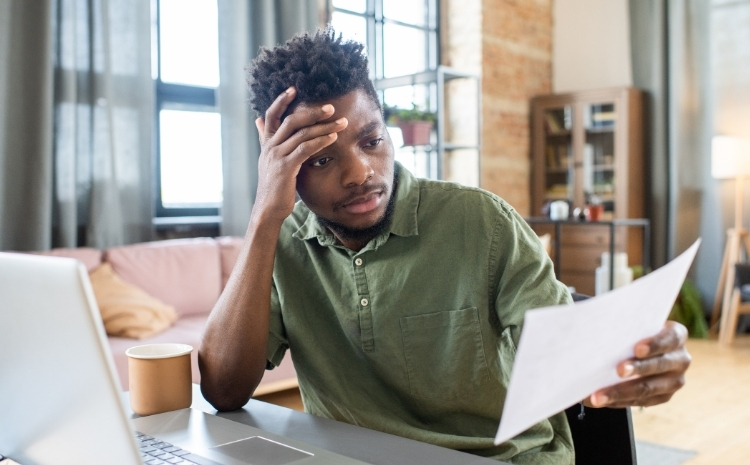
[415, 334]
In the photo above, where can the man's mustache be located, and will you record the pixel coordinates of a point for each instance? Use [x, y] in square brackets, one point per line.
[360, 191]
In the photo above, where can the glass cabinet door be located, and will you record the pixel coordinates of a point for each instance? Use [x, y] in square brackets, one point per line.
[598, 173]
[559, 171]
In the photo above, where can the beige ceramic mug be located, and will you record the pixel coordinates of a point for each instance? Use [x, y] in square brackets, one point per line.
[160, 378]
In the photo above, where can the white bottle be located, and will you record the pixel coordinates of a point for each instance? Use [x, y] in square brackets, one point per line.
[623, 274]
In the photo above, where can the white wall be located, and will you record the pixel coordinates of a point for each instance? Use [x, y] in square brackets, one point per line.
[590, 45]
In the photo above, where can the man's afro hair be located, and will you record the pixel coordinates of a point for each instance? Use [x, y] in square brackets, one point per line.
[321, 66]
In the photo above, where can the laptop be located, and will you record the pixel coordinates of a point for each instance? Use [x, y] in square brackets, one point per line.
[59, 394]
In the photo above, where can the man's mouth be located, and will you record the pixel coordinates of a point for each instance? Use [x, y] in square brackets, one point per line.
[365, 203]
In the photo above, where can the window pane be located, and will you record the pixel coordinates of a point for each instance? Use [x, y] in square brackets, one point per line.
[191, 170]
[351, 26]
[404, 97]
[406, 11]
[404, 50]
[360, 6]
[189, 40]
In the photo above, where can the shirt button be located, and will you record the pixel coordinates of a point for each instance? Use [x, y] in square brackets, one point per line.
[364, 302]
[358, 262]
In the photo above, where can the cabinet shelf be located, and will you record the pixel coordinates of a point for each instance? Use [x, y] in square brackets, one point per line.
[439, 146]
[601, 130]
[573, 160]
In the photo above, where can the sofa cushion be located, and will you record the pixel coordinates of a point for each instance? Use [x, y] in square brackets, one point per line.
[126, 310]
[189, 330]
[229, 247]
[184, 273]
[91, 258]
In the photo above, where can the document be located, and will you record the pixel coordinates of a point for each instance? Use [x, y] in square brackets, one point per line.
[568, 352]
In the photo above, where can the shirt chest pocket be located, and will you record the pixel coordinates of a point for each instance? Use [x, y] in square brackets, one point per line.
[444, 353]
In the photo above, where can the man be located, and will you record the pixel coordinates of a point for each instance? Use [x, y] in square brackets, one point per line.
[402, 299]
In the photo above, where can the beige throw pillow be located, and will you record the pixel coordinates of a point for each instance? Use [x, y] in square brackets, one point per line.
[128, 311]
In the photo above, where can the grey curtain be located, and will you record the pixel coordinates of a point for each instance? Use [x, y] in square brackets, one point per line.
[76, 117]
[104, 113]
[245, 26]
[692, 58]
[25, 124]
[670, 60]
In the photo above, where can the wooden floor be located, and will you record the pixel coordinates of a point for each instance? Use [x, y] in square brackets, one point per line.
[710, 415]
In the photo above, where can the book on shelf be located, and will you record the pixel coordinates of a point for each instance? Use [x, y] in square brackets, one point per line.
[599, 116]
[556, 122]
[551, 123]
[551, 160]
[604, 117]
[557, 156]
[563, 155]
[557, 192]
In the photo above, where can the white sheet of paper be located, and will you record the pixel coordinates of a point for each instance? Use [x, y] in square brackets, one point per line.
[568, 352]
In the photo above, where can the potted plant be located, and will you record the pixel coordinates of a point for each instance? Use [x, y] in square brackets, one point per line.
[415, 124]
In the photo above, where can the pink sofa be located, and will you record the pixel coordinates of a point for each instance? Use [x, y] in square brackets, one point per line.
[188, 274]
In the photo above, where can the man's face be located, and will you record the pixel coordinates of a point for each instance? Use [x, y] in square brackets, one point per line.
[350, 182]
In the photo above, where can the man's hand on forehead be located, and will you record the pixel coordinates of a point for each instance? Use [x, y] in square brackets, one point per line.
[276, 129]
[286, 145]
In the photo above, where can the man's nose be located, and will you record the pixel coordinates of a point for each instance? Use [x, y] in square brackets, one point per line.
[357, 171]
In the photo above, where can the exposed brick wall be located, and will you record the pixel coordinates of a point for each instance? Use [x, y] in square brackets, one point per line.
[516, 64]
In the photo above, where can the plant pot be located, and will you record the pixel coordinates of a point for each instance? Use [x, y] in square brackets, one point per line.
[416, 132]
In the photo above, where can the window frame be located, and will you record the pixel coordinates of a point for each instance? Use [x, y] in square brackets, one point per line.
[197, 97]
[375, 35]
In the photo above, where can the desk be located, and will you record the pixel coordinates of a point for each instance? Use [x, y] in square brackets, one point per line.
[342, 438]
[612, 224]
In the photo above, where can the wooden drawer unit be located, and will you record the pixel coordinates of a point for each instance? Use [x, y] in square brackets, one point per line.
[581, 258]
[581, 281]
[582, 246]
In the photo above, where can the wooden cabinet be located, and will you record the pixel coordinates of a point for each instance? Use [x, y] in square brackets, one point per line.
[588, 147]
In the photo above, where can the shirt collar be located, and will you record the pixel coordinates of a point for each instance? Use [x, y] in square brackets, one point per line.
[403, 222]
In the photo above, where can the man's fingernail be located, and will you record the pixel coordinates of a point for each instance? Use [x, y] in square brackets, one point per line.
[340, 121]
[627, 370]
[327, 108]
[601, 400]
[290, 90]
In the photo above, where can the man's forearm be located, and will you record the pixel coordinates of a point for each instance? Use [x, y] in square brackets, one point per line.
[232, 356]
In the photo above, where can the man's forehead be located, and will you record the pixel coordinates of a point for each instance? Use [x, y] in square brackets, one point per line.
[356, 103]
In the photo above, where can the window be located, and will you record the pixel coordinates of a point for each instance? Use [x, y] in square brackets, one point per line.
[401, 38]
[186, 75]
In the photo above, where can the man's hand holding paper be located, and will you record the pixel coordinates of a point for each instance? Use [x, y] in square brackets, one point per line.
[659, 369]
[566, 353]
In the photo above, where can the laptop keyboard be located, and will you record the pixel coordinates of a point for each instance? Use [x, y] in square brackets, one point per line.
[156, 452]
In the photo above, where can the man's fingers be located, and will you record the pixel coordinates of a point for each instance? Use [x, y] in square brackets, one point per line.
[676, 361]
[276, 111]
[289, 146]
[639, 391]
[672, 336]
[647, 403]
[260, 124]
[310, 147]
[301, 118]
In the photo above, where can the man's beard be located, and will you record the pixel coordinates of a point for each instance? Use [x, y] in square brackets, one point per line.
[365, 235]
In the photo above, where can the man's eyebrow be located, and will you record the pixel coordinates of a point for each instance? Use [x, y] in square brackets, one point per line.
[368, 129]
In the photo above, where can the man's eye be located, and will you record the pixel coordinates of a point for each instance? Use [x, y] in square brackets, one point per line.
[321, 161]
[374, 142]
